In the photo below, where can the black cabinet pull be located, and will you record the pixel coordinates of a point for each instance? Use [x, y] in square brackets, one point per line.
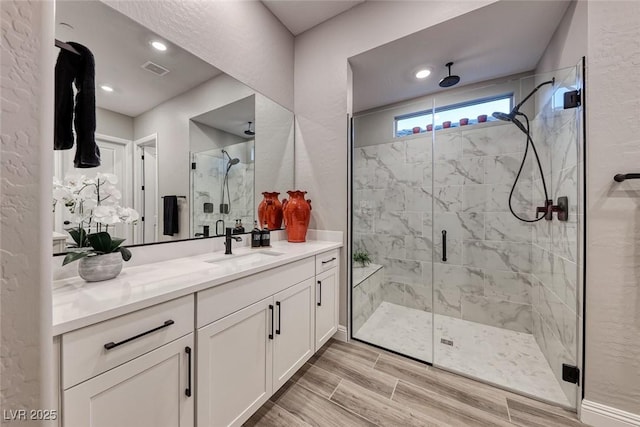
[622, 176]
[112, 344]
[188, 389]
[279, 321]
[444, 245]
[320, 298]
[329, 260]
[271, 330]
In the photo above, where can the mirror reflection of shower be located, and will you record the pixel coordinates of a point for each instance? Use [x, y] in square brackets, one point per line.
[225, 208]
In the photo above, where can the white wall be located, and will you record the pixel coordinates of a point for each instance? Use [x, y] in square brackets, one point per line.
[26, 126]
[114, 124]
[204, 138]
[569, 42]
[170, 120]
[241, 38]
[321, 94]
[613, 214]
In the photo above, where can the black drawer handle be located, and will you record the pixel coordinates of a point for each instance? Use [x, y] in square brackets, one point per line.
[271, 330]
[279, 320]
[188, 389]
[329, 260]
[444, 245]
[320, 296]
[112, 344]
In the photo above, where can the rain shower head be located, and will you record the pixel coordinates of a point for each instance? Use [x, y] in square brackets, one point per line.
[449, 80]
[249, 131]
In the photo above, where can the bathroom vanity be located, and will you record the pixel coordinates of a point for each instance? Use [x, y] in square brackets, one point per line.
[205, 339]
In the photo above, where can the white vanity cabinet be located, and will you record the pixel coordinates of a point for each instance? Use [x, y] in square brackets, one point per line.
[246, 356]
[327, 292]
[134, 370]
[208, 358]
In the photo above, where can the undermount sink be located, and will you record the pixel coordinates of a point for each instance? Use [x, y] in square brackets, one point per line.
[246, 259]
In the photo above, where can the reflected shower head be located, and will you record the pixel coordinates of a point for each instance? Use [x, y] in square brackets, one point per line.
[449, 80]
[249, 131]
[234, 161]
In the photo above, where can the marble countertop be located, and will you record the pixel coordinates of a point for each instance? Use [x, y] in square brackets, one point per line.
[77, 303]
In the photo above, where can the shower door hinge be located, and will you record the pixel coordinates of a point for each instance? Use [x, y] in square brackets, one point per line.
[570, 374]
[572, 99]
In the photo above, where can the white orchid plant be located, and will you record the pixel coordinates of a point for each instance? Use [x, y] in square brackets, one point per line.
[94, 205]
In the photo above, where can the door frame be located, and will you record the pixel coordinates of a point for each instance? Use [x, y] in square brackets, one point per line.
[138, 168]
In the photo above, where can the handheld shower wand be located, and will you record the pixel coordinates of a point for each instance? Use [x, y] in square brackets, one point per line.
[548, 207]
[225, 208]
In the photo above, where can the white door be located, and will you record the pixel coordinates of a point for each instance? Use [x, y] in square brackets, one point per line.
[235, 365]
[294, 340]
[149, 391]
[326, 306]
[114, 158]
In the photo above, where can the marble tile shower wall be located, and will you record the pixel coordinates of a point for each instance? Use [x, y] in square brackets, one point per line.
[487, 276]
[402, 201]
[392, 217]
[555, 246]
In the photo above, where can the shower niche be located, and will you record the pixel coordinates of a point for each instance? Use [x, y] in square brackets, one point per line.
[222, 151]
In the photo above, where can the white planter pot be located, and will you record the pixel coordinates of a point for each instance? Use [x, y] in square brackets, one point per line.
[100, 267]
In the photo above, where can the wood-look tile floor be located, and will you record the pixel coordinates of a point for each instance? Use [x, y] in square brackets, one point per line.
[352, 384]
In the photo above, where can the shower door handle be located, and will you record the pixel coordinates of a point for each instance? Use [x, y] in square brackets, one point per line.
[444, 245]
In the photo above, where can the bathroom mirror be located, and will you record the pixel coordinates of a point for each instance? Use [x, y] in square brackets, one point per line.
[160, 111]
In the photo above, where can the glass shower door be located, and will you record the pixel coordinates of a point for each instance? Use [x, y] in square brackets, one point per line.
[391, 305]
[504, 290]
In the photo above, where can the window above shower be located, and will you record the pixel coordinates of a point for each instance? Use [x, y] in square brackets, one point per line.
[454, 115]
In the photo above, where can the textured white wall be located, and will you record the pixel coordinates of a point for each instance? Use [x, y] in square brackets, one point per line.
[26, 156]
[321, 94]
[241, 38]
[613, 210]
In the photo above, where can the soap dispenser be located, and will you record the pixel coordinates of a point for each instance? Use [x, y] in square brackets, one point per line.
[266, 236]
[240, 226]
[256, 236]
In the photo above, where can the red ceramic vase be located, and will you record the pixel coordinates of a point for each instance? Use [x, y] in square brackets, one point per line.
[297, 213]
[270, 211]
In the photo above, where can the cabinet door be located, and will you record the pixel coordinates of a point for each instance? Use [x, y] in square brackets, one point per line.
[235, 365]
[294, 341]
[151, 390]
[326, 306]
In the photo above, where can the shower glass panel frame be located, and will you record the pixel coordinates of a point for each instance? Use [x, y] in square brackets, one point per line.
[504, 307]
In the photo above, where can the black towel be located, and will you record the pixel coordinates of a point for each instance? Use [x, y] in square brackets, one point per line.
[79, 69]
[170, 215]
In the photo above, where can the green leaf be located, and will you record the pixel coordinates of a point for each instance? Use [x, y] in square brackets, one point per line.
[79, 235]
[115, 242]
[126, 253]
[74, 256]
[101, 242]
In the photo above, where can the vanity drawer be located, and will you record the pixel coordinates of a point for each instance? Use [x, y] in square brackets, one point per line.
[220, 301]
[85, 353]
[327, 260]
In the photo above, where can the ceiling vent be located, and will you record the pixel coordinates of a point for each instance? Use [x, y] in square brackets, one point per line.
[155, 68]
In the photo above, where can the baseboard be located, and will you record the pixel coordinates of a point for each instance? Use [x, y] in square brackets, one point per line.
[341, 334]
[599, 415]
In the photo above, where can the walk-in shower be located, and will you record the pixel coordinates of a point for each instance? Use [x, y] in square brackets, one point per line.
[473, 269]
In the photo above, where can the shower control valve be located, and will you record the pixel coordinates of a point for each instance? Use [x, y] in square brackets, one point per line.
[561, 209]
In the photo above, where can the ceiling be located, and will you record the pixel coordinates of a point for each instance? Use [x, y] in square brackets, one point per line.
[300, 15]
[232, 118]
[501, 39]
[120, 46]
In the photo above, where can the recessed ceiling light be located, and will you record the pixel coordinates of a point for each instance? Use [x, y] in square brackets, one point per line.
[423, 74]
[159, 46]
[106, 88]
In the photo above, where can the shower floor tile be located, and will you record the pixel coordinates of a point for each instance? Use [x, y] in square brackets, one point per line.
[502, 357]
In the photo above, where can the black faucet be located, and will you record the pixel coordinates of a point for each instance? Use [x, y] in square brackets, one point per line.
[227, 241]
